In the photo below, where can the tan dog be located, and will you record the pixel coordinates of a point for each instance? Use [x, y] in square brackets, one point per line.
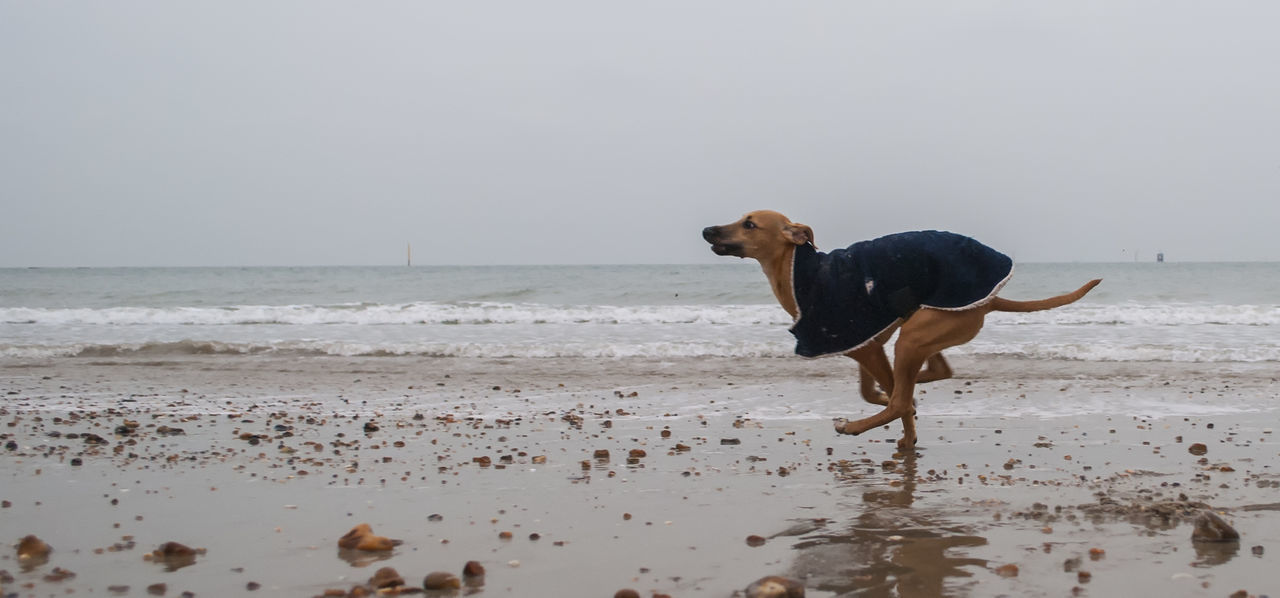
[772, 239]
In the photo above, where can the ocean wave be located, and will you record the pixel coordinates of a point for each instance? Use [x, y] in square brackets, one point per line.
[363, 314]
[1101, 352]
[1169, 314]
[495, 313]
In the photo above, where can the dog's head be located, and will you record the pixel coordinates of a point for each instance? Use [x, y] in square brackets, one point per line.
[762, 235]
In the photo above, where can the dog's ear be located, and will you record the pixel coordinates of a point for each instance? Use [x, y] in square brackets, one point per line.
[799, 234]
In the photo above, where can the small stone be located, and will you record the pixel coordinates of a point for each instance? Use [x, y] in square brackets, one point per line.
[441, 581]
[1258, 550]
[58, 574]
[539, 459]
[1083, 576]
[732, 441]
[120, 589]
[361, 538]
[754, 540]
[31, 548]
[252, 586]
[386, 577]
[602, 454]
[1212, 528]
[774, 586]
[637, 453]
[174, 550]
[1010, 570]
[1198, 449]
[1096, 554]
[626, 593]
[473, 569]
[157, 589]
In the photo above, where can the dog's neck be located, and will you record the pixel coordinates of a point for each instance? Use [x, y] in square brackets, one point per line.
[779, 273]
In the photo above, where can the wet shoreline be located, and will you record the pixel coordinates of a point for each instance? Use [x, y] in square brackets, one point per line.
[276, 459]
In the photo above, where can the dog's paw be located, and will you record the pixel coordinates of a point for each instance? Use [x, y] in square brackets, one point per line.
[905, 444]
[841, 426]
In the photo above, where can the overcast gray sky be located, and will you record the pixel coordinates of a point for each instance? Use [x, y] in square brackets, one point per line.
[301, 133]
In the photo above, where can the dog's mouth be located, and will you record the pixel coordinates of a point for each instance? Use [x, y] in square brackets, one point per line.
[733, 249]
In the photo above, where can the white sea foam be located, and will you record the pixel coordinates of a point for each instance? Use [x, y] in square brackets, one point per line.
[601, 349]
[484, 313]
[402, 314]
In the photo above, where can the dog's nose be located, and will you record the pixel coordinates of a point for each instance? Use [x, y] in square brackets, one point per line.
[710, 233]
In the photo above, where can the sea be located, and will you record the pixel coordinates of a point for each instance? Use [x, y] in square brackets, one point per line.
[1142, 312]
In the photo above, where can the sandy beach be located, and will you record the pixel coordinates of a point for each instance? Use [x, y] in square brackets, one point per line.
[1032, 478]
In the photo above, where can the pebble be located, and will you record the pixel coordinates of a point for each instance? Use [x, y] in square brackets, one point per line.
[174, 550]
[626, 593]
[774, 586]
[1212, 528]
[441, 581]
[473, 569]
[1198, 449]
[31, 548]
[386, 577]
[157, 589]
[1009, 570]
[754, 540]
[361, 537]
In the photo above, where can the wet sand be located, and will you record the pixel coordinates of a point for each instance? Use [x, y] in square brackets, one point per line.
[1031, 479]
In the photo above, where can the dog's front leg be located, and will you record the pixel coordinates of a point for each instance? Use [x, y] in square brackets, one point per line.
[905, 367]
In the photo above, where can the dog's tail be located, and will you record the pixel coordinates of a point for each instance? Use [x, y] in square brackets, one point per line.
[999, 304]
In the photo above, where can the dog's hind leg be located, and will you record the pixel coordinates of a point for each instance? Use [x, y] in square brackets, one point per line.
[935, 368]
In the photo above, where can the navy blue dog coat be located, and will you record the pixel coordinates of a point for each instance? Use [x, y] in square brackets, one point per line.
[848, 296]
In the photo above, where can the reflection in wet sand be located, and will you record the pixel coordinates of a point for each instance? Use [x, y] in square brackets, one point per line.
[890, 548]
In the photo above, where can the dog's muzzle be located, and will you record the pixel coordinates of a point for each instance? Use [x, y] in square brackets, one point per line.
[711, 234]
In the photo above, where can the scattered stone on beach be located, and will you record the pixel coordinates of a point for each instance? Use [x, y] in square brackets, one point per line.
[1009, 570]
[174, 550]
[775, 586]
[361, 537]
[1198, 449]
[1258, 550]
[473, 569]
[730, 441]
[386, 577]
[626, 593]
[58, 574]
[157, 589]
[601, 454]
[754, 540]
[440, 580]
[32, 549]
[1212, 528]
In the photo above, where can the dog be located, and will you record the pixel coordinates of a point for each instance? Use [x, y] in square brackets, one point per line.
[933, 288]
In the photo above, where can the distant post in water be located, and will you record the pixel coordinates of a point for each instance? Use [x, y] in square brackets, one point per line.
[408, 254]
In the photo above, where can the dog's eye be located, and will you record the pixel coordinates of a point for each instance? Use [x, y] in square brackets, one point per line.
[748, 225]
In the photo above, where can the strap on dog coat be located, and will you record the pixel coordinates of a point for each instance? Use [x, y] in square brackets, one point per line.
[848, 296]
